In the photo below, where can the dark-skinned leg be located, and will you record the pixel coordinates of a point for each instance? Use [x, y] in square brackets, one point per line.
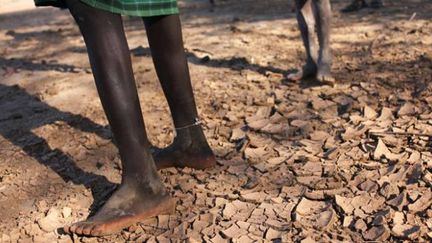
[190, 147]
[355, 5]
[322, 12]
[306, 22]
[376, 4]
[141, 193]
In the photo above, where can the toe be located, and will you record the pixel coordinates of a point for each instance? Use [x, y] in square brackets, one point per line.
[66, 229]
[72, 228]
[79, 229]
[327, 79]
[97, 230]
[87, 229]
[295, 76]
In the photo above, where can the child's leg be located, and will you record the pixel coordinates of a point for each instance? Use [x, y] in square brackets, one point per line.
[306, 22]
[322, 12]
[141, 193]
[190, 147]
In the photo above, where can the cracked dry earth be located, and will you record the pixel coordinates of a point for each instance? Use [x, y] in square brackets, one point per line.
[296, 161]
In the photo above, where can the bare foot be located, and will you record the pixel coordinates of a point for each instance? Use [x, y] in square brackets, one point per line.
[189, 149]
[308, 71]
[193, 156]
[127, 206]
[324, 76]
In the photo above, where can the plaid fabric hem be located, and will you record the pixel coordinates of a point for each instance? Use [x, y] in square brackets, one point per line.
[142, 8]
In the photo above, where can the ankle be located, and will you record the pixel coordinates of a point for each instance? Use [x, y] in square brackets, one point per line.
[143, 179]
[187, 137]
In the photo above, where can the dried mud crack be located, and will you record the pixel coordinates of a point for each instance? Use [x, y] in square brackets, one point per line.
[296, 162]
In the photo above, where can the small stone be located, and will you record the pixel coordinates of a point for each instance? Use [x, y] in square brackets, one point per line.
[37, 239]
[254, 197]
[345, 204]
[25, 239]
[243, 225]
[199, 225]
[233, 231]
[272, 234]
[219, 201]
[162, 239]
[414, 157]
[66, 212]
[229, 211]
[407, 109]
[32, 229]
[326, 219]
[386, 114]
[276, 224]
[377, 233]
[194, 237]
[244, 239]
[347, 221]
[411, 232]
[5, 238]
[389, 189]
[308, 240]
[42, 206]
[413, 195]
[50, 222]
[398, 218]
[379, 220]
[14, 235]
[369, 113]
[360, 225]
[276, 160]
[382, 151]
[237, 134]
[277, 200]
[255, 154]
[369, 186]
[319, 136]
[415, 173]
[422, 203]
[218, 239]
[307, 207]
[398, 202]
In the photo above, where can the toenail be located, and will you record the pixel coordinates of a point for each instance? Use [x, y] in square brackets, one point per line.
[79, 229]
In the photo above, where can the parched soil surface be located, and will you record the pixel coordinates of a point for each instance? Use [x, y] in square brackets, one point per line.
[297, 161]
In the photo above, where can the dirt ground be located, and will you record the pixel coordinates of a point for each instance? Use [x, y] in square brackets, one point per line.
[296, 161]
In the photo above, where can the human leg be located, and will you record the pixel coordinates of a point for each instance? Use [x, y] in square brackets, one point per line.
[190, 147]
[354, 6]
[376, 4]
[322, 12]
[141, 193]
[306, 23]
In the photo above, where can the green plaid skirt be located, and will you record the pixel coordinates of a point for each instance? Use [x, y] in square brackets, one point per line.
[143, 8]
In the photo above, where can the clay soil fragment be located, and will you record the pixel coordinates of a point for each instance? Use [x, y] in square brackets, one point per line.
[319, 212]
[382, 151]
[406, 231]
[377, 233]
